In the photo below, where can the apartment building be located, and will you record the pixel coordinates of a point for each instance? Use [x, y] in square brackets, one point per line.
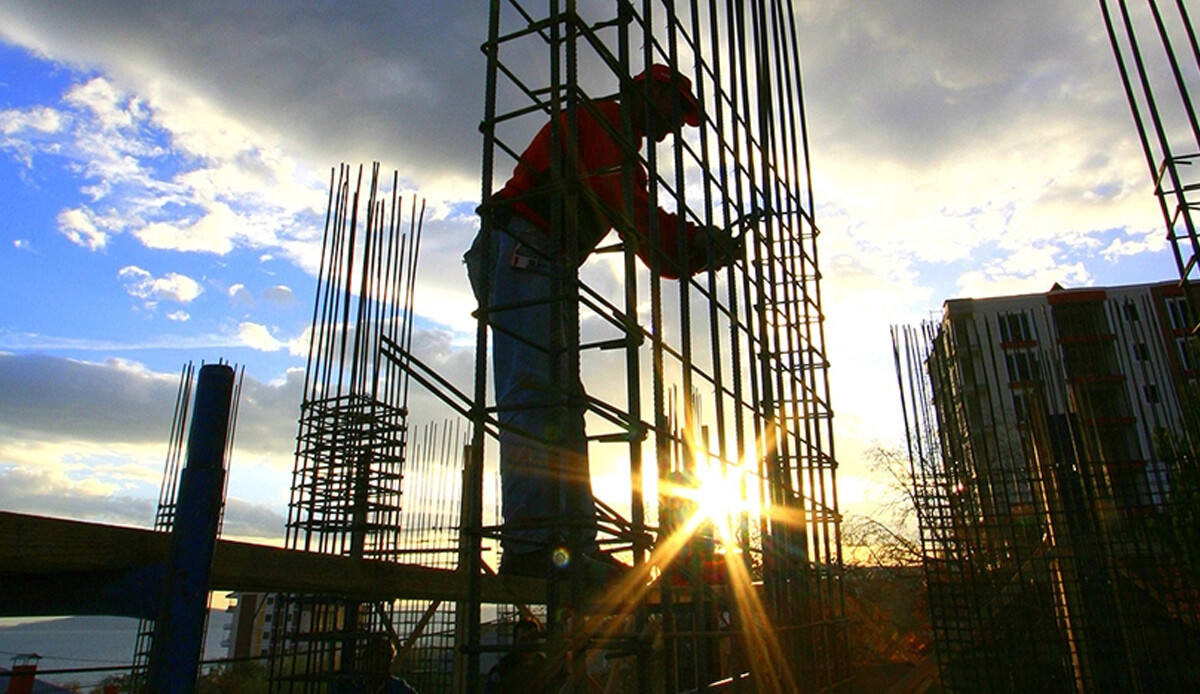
[1053, 439]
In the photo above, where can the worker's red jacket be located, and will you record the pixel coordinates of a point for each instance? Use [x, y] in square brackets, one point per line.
[600, 166]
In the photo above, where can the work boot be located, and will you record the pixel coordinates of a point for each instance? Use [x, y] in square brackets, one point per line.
[535, 564]
[599, 568]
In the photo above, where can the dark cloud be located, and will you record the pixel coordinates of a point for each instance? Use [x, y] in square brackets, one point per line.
[53, 399]
[918, 83]
[923, 82]
[268, 414]
[23, 490]
[245, 519]
[399, 82]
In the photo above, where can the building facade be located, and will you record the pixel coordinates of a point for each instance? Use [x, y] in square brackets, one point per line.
[1052, 444]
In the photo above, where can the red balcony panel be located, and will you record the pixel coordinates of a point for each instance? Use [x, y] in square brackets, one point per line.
[1087, 338]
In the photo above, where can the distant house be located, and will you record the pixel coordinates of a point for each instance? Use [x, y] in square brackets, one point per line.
[21, 679]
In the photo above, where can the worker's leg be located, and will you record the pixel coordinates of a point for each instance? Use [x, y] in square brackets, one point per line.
[529, 396]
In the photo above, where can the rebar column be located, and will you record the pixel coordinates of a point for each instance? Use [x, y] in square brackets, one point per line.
[179, 626]
[352, 441]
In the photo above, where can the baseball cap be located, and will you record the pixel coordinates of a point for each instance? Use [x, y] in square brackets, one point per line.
[662, 73]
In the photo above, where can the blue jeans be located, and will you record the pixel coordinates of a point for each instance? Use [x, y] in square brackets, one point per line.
[539, 404]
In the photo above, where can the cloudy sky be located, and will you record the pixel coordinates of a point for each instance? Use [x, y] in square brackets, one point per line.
[163, 174]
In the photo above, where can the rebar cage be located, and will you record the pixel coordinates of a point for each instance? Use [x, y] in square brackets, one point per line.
[353, 436]
[719, 379]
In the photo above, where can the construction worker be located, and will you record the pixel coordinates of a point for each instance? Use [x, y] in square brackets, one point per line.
[527, 274]
[525, 669]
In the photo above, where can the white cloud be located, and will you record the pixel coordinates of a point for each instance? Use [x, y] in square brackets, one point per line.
[179, 316]
[280, 295]
[172, 286]
[238, 294]
[1145, 243]
[41, 119]
[173, 170]
[24, 131]
[212, 233]
[258, 337]
[80, 227]
[22, 244]
[1002, 278]
[112, 110]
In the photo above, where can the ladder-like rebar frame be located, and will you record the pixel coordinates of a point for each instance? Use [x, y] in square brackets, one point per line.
[1158, 56]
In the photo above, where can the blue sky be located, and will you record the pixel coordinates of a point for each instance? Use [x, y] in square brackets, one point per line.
[163, 176]
[90, 175]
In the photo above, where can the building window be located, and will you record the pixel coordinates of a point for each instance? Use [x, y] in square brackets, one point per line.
[1022, 366]
[1020, 408]
[1177, 312]
[1015, 327]
[1141, 351]
[1131, 311]
[1187, 356]
[1150, 391]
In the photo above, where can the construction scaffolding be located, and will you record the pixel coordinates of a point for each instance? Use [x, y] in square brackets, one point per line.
[1053, 448]
[717, 381]
[351, 446]
[1158, 56]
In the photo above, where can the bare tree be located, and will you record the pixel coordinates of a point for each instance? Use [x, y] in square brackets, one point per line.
[887, 536]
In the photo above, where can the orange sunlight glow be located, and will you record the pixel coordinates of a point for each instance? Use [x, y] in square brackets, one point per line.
[719, 496]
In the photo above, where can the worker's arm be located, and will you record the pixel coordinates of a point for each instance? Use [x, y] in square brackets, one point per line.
[699, 248]
[602, 160]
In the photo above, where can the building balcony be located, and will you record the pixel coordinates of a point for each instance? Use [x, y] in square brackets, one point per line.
[1084, 379]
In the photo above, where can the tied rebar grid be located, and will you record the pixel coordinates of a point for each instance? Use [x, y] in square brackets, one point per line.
[429, 536]
[1052, 443]
[347, 483]
[746, 340]
[1158, 58]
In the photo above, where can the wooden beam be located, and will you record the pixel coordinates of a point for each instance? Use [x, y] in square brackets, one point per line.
[38, 545]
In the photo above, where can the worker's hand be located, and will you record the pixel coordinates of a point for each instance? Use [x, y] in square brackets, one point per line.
[725, 247]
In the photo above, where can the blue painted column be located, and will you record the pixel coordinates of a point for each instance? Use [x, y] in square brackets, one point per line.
[179, 626]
